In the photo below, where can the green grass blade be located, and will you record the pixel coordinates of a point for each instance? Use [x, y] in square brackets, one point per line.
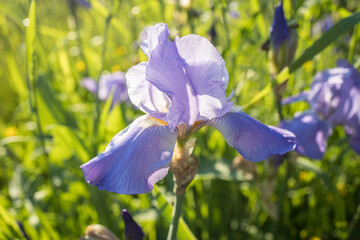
[329, 37]
[30, 37]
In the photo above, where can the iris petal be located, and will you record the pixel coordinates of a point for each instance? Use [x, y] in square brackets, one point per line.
[165, 70]
[208, 75]
[311, 134]
[135, 159]
[145, 95]
[251, 138]
[154, 35]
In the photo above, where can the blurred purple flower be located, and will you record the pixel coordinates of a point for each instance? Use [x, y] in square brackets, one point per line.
[132, 230]
[322, 25]
[181, 89]
[311, 134]
[335, 100]
[83, 3]
[234, 9]
[107, 82]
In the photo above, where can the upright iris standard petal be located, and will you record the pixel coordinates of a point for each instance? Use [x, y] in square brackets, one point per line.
[135, 159]
[311, 134]
[251, 138]
[145, 95]
[165, 70]
[132, 230]
[279, 31]
[154, 35]
[208, 75]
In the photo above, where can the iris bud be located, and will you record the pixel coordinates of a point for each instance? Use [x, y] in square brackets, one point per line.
[283, 42]
[132, 230]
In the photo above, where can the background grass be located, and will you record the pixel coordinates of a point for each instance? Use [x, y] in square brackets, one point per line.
[47, 125]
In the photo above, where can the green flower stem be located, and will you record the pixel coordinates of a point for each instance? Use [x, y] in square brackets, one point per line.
[179, 199]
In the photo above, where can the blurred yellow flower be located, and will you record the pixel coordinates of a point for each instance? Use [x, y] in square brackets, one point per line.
[80, 66]
[10, 131]
[315, 238]
[308, 66]
[303, 176]
[121, 50]
[116, 68]
[341, 188]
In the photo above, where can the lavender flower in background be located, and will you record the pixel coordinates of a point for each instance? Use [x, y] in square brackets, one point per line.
[322, 25]
[107, 83]
[283, 42]
[234, 9]
[181, 89]
[335, 100]
[132, 230]
[83, 3]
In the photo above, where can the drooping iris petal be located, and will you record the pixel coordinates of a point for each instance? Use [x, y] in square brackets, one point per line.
[302, 96]
[144, 95]
[208, 75]
[135, 159]
[113, 82]
[251, 138]
[311, 134]
[279, 31]
[165, 70]
[355, 140]
[90, 84]
[154, 35]
[132, 230]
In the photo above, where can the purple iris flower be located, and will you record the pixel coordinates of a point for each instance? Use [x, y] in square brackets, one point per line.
[107, 83]
[181, 89]
[132, 230]
[311, 134]
[335, 100]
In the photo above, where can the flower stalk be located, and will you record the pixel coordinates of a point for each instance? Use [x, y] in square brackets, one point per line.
[183, 166]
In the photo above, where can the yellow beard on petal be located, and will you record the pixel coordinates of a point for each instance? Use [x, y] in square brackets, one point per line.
[159, 121]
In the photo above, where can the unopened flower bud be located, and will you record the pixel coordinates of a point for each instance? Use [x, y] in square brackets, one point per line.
[132, 230]
[283, 42]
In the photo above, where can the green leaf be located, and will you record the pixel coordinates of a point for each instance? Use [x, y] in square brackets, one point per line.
[258, 96]
[68, 142]
[184, 231]
[49, 107]
[340, 28]
[8, 226]
[30, 37]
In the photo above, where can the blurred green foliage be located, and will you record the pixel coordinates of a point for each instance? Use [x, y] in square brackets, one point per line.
[50, 125]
